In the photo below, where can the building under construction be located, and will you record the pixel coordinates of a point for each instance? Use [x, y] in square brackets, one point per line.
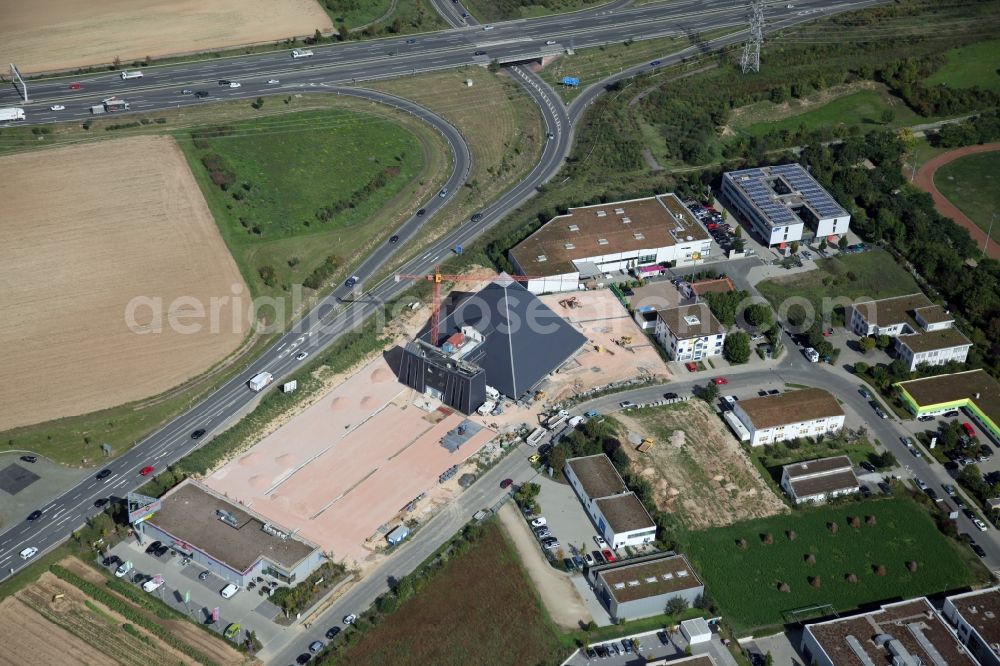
[500, 340]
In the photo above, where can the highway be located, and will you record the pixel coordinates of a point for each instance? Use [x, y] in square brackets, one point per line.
[328, 71]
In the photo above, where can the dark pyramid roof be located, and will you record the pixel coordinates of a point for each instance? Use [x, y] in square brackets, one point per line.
[525, 339]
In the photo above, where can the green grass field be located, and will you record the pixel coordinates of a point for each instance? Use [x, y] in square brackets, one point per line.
[972, 65]
[973, 184]
[863, 108]
[745, 583]
[873, 274]
[353, 12]
[286, 169]
[505, 10]
[479, 609]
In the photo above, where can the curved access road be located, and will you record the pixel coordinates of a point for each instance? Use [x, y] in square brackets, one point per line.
[925, 181]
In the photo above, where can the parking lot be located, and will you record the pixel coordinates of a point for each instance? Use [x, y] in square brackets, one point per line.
[640, 648]
[565, 518]
[249, 608]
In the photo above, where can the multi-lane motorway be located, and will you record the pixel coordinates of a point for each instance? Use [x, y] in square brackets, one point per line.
[328, 71]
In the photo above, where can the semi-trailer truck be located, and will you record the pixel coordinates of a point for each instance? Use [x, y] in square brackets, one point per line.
[301, 53]
[110, 105]
[11, 113]
[259, 381]
[131, 75]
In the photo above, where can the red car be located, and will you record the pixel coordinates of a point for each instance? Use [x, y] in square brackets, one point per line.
[75, 86]
[969, 431]
[691, 367]
[718, 381]
[506, 483]
[146, 471]
[608, 555]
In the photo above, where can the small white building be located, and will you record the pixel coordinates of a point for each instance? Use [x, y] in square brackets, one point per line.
[780, 201]
[689, 332]
[616, 512]
[802, 413]
[924, 332]
[585, 244]
[819, 480]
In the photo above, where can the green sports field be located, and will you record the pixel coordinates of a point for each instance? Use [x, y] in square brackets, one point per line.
[745, 582]
[973, 65]
[973, 184]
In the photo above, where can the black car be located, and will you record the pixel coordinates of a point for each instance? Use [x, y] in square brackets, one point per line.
[421, 212]
[885, 488]
[977, 549]
[670, 396]
[161, 551]
[332, 632]
[867, 466]
[35, 515]
[29, 459]
[411, 41]
[656, 63]
[350, 282]
[865, 491]
[103, 474]
[100, 501]
[969, 513]
[479, 53]
[393, 239]
[477, 217]
[224, 82]
[304, 658]
[201, 93]
[153, 547]
[197, 434]
[598, 558]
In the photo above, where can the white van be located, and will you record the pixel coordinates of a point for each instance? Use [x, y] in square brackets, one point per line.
[229, 590]
[151, 585]
[28, 553]
[811, 354]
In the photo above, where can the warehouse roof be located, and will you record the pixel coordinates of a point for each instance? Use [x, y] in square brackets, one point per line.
[691, 321]
[943, 338]
[524, 340]
[597, 475]
[190, 514]
[819, 466]
[790, 407]
[625, 513]
[594, 231]
[973, 386]
[628, 582]
[825, 484]
[777, 191]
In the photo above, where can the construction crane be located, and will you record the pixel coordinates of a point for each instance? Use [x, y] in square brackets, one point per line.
[436, 278]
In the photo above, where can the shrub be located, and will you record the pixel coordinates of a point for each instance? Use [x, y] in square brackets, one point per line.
[879, 569]
[833, 527]
[810, 559]
[783, 587]
[815, 581]
[791, 534]
[911, 566]
[741, 544]
[854, 521]
[851, 578]
[767, 538]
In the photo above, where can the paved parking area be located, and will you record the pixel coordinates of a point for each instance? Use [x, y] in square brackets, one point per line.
[652, 645]
[250, 609]
[566, 518]
[780, 647]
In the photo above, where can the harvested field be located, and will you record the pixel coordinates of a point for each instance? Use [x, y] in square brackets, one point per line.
[53, 35]
[698, 471]
[80, 242]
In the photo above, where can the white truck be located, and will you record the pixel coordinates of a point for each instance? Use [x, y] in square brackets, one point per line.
[152, 584]
[259, 381]
[301, 53]
[110, 105]
[11, 113]
[126, 75]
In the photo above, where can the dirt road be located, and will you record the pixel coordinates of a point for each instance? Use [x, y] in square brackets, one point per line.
[561, 599]
[925, 181]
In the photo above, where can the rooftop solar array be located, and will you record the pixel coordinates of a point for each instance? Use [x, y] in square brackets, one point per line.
[753, 182]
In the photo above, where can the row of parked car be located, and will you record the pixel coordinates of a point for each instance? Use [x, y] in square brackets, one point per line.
[541, 529]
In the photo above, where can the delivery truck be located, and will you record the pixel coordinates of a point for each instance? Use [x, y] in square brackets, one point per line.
[301, 53]
[11, 113]
[260, 380]
[131, 75]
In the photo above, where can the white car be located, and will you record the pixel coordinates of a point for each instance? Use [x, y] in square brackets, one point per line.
[538, 522]
[488, 27]
[601, 543]
[57, 107]
[349, 619]
[28, 553]
[550, 42]
[273, 81]
[301, 355]
[235, 84]
[123, 569]
[980, 525]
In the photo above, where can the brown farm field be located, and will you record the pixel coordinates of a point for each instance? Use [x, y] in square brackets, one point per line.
[698, 471]
[51, 35]
[87, 230]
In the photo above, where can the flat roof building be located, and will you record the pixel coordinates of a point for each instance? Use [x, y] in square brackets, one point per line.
[501, 337]
[779, 201]
[924, 332]
[976, 619]
[616, 512]
[689, 332]
[228, 539]
[801, 413]
[975, 391]
[908, 632]
[589, 241]
[819, 480]
[642, 586]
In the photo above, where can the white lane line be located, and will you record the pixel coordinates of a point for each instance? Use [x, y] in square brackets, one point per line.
[59, 512]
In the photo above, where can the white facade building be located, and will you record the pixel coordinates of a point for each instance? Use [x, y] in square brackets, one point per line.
[689, 332]
[779, 202]
[819, 480]
[616, 512]
[924, 332]
[802, 413]
[588, 242]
